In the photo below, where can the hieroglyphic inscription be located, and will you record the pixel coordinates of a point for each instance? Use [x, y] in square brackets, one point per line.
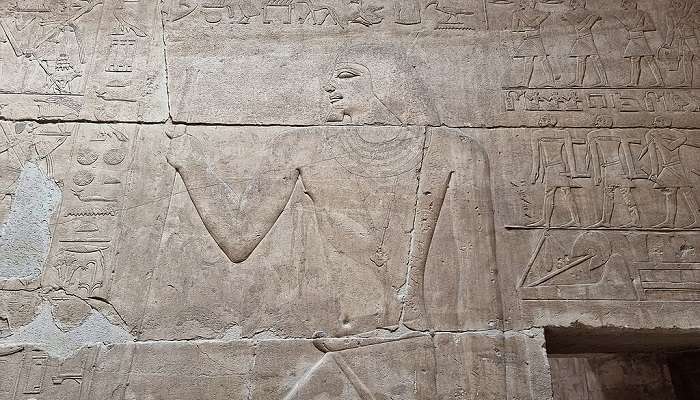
[53, 48]
[444, 14]
[601, 266]
[36, 375]
[625, 249]
[608, 100]
[88, 219]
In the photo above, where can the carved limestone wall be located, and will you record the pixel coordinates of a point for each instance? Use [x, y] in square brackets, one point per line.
[349, 199]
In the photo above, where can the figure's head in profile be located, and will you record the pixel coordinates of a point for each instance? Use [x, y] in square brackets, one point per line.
[527, 4]
[547, 121]
[577, 4]
[629, 4]
[677, 4]
[603, 121]
[662, 122]
[377, 85]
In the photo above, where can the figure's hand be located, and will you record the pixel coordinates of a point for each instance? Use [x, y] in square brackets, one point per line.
[534, 178]
[186, 152]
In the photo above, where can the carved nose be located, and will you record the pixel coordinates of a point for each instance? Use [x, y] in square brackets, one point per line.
[329, 88]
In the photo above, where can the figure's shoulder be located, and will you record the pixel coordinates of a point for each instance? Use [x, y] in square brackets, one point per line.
[643, 14]
[296, 137]
[456, 145]
[295, 144]
[302, 140]
[549, 133]
[451, 136]
[599, 132]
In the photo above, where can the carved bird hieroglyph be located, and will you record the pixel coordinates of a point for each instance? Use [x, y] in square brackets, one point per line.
[452, 13]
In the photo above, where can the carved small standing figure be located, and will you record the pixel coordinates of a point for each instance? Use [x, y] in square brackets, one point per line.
[407, 12]
[612, 169]
[528, 19]
[680, 32]
[584, 47]
[553, 164]
[663, 145]
[637, 22]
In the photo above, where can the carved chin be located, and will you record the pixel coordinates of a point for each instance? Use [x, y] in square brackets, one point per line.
[336, 114]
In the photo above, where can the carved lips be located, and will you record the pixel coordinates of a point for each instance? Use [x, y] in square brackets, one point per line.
[335, 97]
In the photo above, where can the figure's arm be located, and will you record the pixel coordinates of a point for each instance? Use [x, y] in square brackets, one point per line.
[536, 161]
[647, 24]
[592, 156]
[670, 28]
[515, 23]
[468, 207]
[588, 22]
[540, 19]
[238, 221]
[650, 149]
[454, 198]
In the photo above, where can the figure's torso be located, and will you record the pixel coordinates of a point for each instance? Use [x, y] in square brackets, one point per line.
[364, 196]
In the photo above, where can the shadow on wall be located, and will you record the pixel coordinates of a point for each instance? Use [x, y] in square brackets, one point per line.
[615, 364]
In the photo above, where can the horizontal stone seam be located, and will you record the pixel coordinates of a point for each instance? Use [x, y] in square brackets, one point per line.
[43, 121]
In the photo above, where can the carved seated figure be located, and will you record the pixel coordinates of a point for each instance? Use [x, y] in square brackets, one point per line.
[379, 181]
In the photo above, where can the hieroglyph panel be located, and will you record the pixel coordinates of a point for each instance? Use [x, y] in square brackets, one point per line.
[490, 63]
[99, 60]
[338, 199]
[604, 220]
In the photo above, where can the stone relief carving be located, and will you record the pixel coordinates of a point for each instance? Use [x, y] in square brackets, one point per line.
[613, 251]
[339, 14]
[629, 59]
[395, 181]
[52, 53]
[338, 199]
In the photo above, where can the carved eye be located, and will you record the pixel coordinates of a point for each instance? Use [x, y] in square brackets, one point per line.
[346, 74]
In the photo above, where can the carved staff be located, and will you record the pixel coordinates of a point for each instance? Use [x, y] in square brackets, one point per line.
[191, 75]
[86, 9]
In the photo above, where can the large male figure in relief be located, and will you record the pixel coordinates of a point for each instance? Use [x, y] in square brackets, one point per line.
[378, 180]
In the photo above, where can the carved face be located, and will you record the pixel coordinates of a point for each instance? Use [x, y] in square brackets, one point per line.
[577, 4]
[525, 4]
[547, 121]
[629, 4]
[350, 89]
[603, 121]
[662, 122]
[677, 4]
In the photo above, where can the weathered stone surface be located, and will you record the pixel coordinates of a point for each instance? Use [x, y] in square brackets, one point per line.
[602, 224]
[99, 60]
[490, 63]
[365, 199]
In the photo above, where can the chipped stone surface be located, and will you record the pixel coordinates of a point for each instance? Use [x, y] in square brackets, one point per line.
[364, 199]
